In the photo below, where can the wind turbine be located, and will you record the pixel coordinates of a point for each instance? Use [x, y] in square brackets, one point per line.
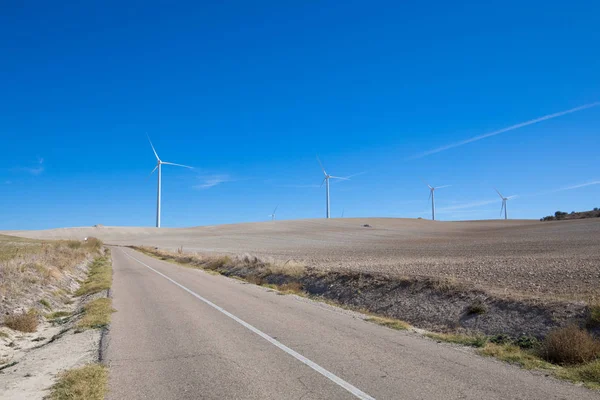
[432, 197]
[159, 163]
[504, 201]
[273, 215]
[326, 182]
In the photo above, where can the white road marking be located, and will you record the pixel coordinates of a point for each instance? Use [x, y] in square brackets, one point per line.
[332, 377]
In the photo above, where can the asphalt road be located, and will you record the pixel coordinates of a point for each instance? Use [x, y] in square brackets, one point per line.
[180, 333]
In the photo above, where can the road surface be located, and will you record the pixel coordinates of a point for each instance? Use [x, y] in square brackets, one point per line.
[181, 333]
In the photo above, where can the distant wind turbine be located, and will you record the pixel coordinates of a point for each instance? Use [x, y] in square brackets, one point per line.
[326, 182]
[504, 201]
[432, 197]
[273, 215]
[159, 163]
[343, 209]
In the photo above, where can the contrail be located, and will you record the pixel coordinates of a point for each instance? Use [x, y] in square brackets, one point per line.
[510, 128]
[573, 187]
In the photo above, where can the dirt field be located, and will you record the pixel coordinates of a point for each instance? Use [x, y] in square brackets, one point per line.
[552, 259]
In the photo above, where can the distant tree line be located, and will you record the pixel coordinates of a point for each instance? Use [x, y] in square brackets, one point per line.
[560, 215]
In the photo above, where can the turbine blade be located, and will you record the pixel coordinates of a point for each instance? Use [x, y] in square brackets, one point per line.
[275, 209]
[321, 164]
[339, 177]
[151, 145]
[428, 185]
[502, 208]
[499, 194]
[430, 192]
[178, 165]
[324, 179]
[357, 174]
[155, 168]
[441, 187]
[512, 197]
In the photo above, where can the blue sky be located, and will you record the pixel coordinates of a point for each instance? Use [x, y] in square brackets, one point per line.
[250, 92]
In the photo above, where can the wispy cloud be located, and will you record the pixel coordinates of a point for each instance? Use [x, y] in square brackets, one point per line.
[36, 169]
[510, 128]
[572, 187]
[210, 181]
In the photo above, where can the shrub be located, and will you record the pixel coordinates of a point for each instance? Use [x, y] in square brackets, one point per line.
[477, 308]
[500, 338]
[527, 342]
[570, 345]
[594, 317]
[25, 322]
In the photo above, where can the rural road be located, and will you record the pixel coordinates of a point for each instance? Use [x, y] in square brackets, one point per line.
[180, 333]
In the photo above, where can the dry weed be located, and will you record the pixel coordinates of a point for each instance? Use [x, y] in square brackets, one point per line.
[570, 345]
[24, 322]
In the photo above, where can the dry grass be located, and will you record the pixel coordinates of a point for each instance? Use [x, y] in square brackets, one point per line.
[588, 374]
[37, 274]
[86, 383]
[96, 314]
[389, 322]
[570, 346]
[99, 277]
[513, 354]
[466, 340]
[259, 268]
[24, 322]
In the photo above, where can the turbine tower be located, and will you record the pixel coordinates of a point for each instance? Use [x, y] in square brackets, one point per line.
[273, 215]
[159, 163]
[504, 201]
[326, 182]
[432, 197]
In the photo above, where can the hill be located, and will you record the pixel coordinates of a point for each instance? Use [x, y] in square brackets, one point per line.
[560, 216]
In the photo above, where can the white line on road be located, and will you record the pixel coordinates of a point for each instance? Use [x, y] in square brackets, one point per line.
[332, 377]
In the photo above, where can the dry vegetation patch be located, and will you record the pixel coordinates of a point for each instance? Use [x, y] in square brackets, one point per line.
[390, 323]
[85, 383]
[99, 277]
[40, 275]
[570, 346]
[23, 322]
[96, 314]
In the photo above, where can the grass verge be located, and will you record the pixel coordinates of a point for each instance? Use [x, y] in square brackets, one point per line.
[99, 277]
[85, 383]
[390, 323]
[465, 340]
[96, 314]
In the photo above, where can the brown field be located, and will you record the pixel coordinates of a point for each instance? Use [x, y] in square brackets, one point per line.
[551, 259]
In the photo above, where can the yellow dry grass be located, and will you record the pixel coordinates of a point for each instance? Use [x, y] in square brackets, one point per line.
[85, 383]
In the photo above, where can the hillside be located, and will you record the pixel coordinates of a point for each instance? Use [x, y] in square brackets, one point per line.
[561, 216]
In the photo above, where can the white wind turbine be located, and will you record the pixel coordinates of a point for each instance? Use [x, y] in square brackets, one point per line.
[504, 201]
[159, 163]
[326, 182]
[273, 215]
[432, 197]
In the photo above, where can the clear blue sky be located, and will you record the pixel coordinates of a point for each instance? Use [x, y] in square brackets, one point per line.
[250, 92]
